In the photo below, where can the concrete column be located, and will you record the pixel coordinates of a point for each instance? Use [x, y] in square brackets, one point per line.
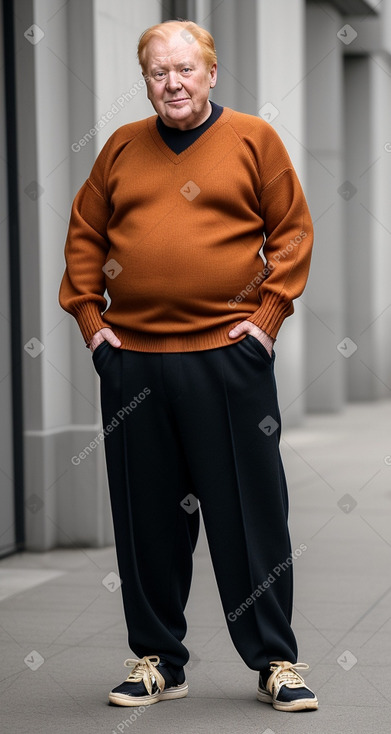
[324, 299]
[81, 61]
[280, 81]
[7, 515]
[380, 214]
[202, 13]
[368, 152]
[233, 26]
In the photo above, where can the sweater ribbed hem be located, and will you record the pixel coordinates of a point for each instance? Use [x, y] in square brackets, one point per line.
[89, 319]
[268, 317]
[271, 314]
[199, 341]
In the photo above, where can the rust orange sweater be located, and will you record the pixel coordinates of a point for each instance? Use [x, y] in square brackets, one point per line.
[175, 239]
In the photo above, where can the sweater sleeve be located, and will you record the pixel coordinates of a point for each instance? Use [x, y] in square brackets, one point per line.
[86, 247]
[288, 245]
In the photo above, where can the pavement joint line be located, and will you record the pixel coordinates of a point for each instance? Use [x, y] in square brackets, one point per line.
[347, 632]
[74, 620]
[313, 625]
[375, 633]
[75, 700]
[374, 687]
[308, 464]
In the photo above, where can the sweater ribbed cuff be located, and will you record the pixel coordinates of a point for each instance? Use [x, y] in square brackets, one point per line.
[271, 314]
[89, 319]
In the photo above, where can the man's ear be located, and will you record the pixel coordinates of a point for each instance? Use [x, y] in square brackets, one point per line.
[213, 75]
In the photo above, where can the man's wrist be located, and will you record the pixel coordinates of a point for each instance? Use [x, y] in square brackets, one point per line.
[263, 336]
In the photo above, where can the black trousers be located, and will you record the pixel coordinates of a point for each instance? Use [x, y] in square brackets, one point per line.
[187, 427]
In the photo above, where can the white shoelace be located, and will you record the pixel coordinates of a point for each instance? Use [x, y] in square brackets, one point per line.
[285, 673]
[145, 670]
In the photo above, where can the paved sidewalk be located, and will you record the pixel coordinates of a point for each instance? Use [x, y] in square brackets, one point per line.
[63, 637]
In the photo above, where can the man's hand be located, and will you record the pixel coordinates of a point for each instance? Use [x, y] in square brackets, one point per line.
[102, 335]
[246, 327]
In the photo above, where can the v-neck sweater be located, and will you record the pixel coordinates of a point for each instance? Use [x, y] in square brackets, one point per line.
[174, 240]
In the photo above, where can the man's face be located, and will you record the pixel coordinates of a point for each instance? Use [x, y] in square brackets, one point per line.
[178, 81]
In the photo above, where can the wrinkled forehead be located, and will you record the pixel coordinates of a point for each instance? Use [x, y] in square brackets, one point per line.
[172, 51]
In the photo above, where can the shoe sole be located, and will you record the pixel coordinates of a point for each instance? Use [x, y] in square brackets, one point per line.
[302, 704]
[121, 699]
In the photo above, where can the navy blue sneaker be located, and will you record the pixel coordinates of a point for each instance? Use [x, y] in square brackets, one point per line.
[150, 680]
[285, 689]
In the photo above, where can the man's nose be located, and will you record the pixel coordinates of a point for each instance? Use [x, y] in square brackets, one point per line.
[173, 82]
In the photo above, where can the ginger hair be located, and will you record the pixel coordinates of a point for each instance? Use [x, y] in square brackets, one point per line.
[168, 28]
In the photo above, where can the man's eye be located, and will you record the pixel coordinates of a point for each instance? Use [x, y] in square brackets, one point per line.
[160, 74]
[187, 68]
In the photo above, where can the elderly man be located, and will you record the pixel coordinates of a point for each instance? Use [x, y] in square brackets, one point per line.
[194, 222]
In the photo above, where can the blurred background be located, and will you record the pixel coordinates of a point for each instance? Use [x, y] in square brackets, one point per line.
[320, 73]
